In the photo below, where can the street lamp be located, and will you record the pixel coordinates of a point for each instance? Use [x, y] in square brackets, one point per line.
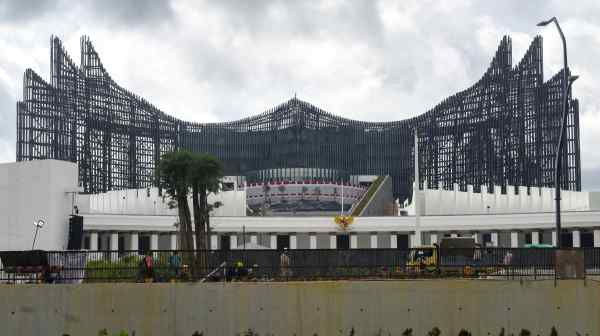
[566, 86]
[38, 225]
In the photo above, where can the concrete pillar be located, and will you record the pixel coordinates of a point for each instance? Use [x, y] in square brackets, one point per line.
[373, 240]
[313, 241]
[333, 241]
[576, 238]
[114, 246]
[173, 245]
[134, 241]
[433, 238]
[393, 241]
[353, 241]
[214, 242]
[535, 237]
[253, 239]
[273, 242]
[514, 239]
[474, 235]
[193, 241]
[154, 241]
[596, 238]
[293, 242]
[554, 238]
[94, 241]
[233, 244]
[494, 238]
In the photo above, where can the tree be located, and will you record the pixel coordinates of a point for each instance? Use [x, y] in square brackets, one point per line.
[173, 173]
[180, 173]
[206, 172]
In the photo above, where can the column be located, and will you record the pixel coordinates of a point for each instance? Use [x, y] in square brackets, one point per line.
[134, 242]
[596, 238]
[353, 241]
[173, 245]
[433, 238]
[154, 241]
[494, 238]
[333, 241]
[93, 241]
[554, 238]
[474, 235]
[233, 244]
[254, 239]
[576, 238]
[373, 240]
[412, 239]
[313, 241]
[514, 239]
[393, 240]
[535, 237]
[274, 242]
[114, 246]
[293, 242]
[214, 242]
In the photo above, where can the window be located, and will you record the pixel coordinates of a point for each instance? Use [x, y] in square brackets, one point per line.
[528, 239]
[402, 242]
[343, 242]
[283, 241]
[567, 239]
[587, 239]
[225, 243]
[121, 244]
[487, 239]
[144, 245]
[86, 242]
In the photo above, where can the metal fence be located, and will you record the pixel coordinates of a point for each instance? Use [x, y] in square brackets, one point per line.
[273, 265]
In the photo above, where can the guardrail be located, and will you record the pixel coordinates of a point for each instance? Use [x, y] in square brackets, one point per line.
[273, 265]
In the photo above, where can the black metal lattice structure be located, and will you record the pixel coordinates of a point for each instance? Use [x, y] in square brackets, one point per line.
[502, 131]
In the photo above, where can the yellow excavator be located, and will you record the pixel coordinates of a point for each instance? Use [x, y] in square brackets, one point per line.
[460, 255]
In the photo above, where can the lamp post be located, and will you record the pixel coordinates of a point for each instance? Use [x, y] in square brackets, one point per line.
[38, 225]
[566, 85]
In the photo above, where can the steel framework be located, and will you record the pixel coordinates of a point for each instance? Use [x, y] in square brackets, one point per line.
[502, 131]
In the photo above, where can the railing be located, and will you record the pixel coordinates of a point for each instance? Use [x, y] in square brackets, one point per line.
[272, 265]
[364, 200]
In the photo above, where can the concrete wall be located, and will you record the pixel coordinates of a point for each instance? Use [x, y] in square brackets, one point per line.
[305, 308]
[515, 199]
[149, 202]
[35, 190]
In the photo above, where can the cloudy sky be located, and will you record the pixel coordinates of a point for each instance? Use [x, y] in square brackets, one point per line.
[371, 60]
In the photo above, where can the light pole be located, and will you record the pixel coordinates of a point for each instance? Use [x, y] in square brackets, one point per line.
[563, 125]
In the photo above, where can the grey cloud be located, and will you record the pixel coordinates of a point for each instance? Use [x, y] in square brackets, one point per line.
[243, 81]
[24, 10]
[7, 121]
[131, 12]
[590, 179]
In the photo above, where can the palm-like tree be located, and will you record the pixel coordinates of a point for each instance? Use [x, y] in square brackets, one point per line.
[180, 173]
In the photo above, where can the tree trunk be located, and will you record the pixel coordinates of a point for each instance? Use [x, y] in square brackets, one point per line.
[199, 230]
[184, 219]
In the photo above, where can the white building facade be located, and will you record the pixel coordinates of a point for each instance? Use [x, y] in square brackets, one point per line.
[142, 219]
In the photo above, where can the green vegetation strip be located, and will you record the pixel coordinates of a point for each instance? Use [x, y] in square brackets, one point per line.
[370, 192]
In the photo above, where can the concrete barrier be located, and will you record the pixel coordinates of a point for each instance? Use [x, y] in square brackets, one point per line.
[303, 308]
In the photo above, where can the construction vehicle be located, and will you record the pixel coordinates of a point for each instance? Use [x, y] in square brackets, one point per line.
[460, 255]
